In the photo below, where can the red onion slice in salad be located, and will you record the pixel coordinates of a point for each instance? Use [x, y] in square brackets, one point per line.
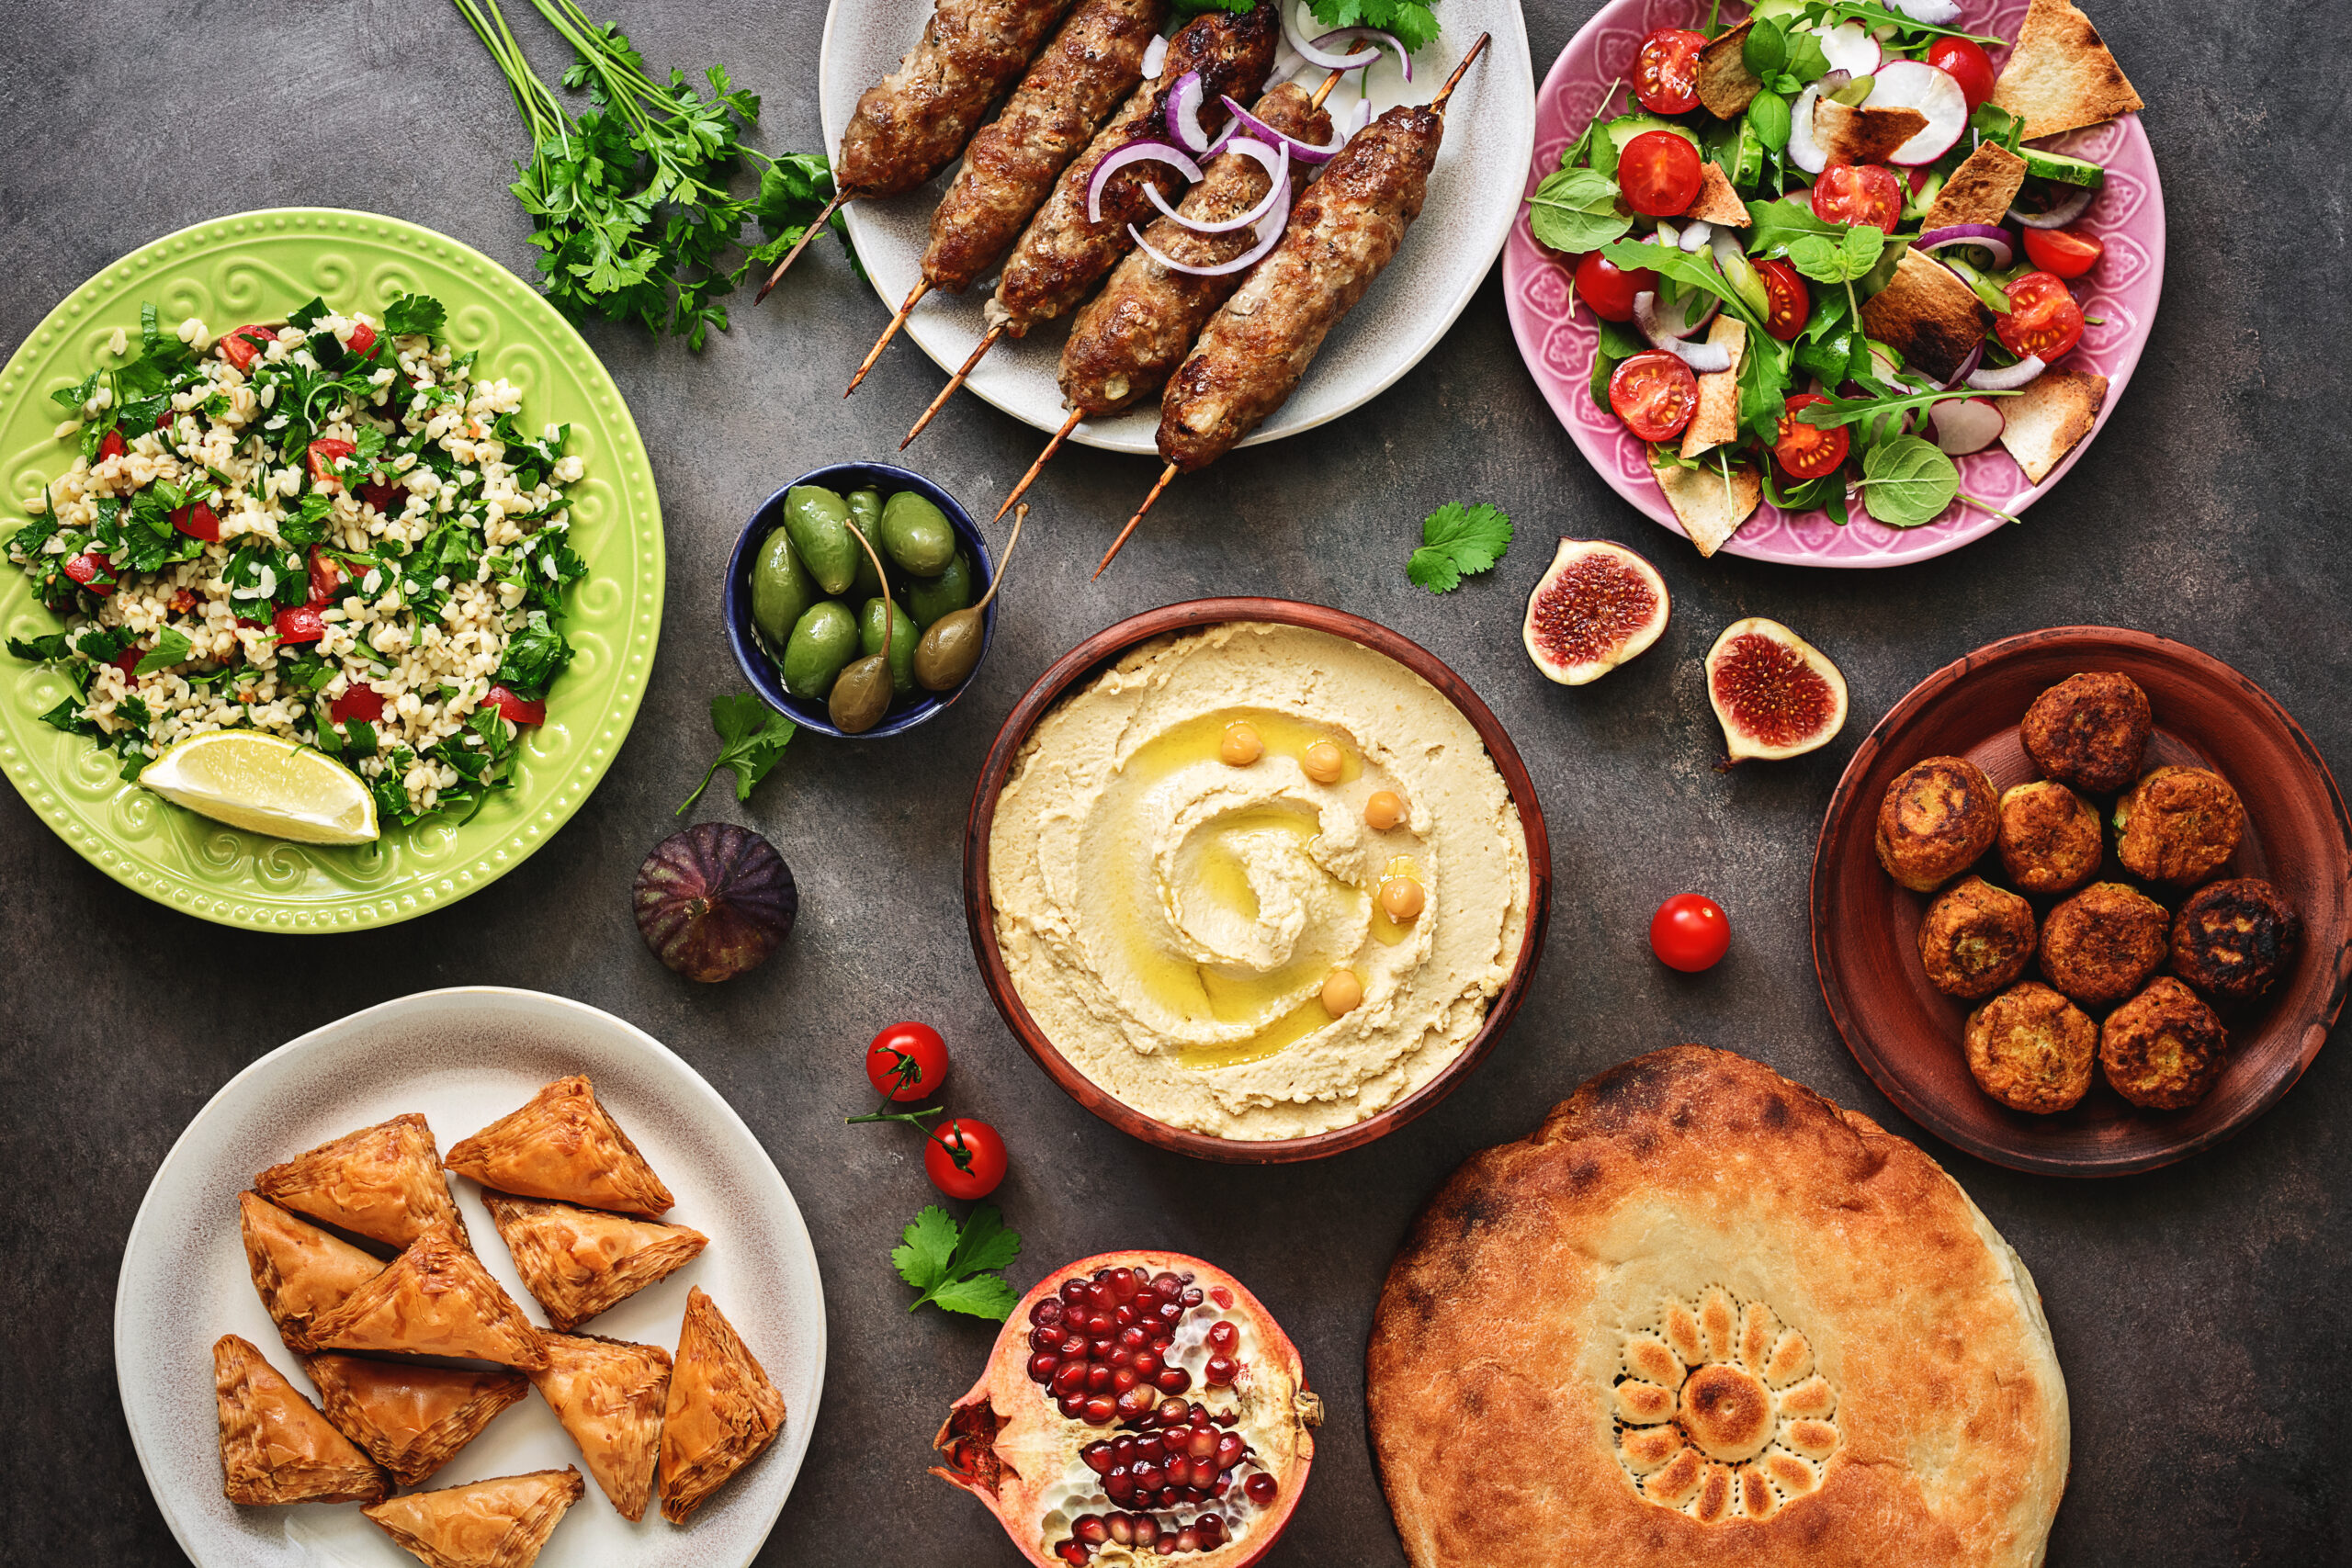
[1988, 237]
[1277, 165]
[1270, 233]
[1975, 358]
[1135, 153]
[1304, 152]
[1182, 113]
[2008, 378]
[1297, 39]
[1371, 35]
[2058, 217]
[1704, 358]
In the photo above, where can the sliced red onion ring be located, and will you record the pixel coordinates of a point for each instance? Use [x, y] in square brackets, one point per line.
[1304, 152]
[1135, 153]
[1704, 358]
[1984, 236]
[2058, 217]
[1154, 54]
[1277, 165]
[1183, 112]
[1297, 39]
[1371, 35]
[1975, 357]
[1270, 233]
[1934, 13]
[2009, 379]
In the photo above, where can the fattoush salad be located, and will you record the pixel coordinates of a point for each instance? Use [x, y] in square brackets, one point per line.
[1827, 255]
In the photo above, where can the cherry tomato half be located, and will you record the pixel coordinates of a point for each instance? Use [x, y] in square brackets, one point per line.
[198, 521]
[1665, 73]
[244, 344]
[1858, 194]
[299, 622]
[907, 1061]
[1655, 393]
[1689, 933]
[2062, 252]
[326, 454]
[87, 568]
[1610, 288]
[1806, 451]
[112, 445]
[2043, 318]
[1965, 63]
[515, 709]
[358, 702]
[1658, 174]
[965, 1158]
[325, 578]
[362, 341]
[1788, 302]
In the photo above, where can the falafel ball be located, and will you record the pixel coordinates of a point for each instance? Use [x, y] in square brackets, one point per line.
[2032, 1049]
[2089, 731]
[2179, 825]
[2235, 938]
[1975, 938]
[2102, 945]
[2164, 1048]
[1938, 819]
[2051, 841]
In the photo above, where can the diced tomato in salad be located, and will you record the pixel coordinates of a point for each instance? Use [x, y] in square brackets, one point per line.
[2043, 318]
[112, 445]
[515, 709]
[88, 568]
[127, 663]
[198, 521]
[325, 578]
[364, 702]
[299, 622]
[362, 341]
[2062, 252]
[324, 453]
[244, 345]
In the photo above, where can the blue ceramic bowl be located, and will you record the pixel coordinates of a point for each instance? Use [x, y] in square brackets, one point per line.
[751, 654]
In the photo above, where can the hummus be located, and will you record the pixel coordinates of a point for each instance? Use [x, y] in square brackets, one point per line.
[1170, 919]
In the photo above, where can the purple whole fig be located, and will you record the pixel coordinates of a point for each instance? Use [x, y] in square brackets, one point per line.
[713, 900]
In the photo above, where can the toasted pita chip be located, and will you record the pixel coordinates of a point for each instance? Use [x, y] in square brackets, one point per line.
[274, 1445]
[1726, 84]
[2061, 76]
[488, 1524]
[435, 1299]
[1865, 135]
[2056, 410]
[1718, 203]
[1928, 315]
[1717, 418]
[1979, 191]
[411, 1419]
[1709, 507]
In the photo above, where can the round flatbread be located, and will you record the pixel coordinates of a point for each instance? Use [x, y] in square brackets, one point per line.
[1705, 1317]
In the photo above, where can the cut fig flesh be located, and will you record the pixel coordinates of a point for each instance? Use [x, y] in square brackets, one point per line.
[1597, 605]
[1776, 694]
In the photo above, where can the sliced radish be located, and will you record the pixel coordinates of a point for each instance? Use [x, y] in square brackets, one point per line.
[1934, 13]
[1803, 150]
[1704, 358]
[1966, 425]
[1696, 234]
[1915, 84]
[1848, 46]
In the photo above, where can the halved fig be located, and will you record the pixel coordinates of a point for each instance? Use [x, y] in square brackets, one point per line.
[1597, 605]
[1776, 694]
[1136, 1405]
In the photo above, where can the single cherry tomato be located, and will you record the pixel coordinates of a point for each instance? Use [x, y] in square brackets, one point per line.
[127, 663]
[2061, 252]
[1610, 288]
[1858, 194]
[112, 445]
[1655, 393]
[515, 709]
[362, 341]
[379, 496]
[198, 521]
[965, 1158]
[325, 578]
[326, 454]
[1689, 933]
[1658, 174]
[2043, 318]
[1665, 73]
[1788, 302]
[244, 345]
[87, 568]
[1807, 451]
[1965, 63]
[357, 702]
[907, 1061]
[299, 622]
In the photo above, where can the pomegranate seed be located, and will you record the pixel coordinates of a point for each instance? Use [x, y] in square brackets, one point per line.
[1124, 1284]
[1188, 1540]
[1073, 1292]
[1123, 1450]
[1120, 1485]
[1047, 1313]
[1170, 1311]
[1099, 1325]
[1222, 1336]
[1097, 1456]
[1146, 1363]
[1259, 1489]
[1211, 1529]
[1101, 1349]
[1165, 1544]
[1099, 1296]
[1100, 1410]
[1200, 1443]
[1147, 1302]
[1200, 1413]
[1228, 1451]
[1148, 1477]
[1121, 1528]
[1073, 1344]
[1224, 1484]
[1133, 1338]
[1071, 1403]
[1042, 1365]
[1191, 1296]
[1171, 1412]
[1174, 1380]
[1223, 1297]
[1071, 1552]
[1069, 1378]
[1090, 1528]
[1167, 1284]
[1226, 1418]
[1220, 1371]
[1122, 1380]
[1098, 1379]
[1123, 1315]
[1044, 1339]
[1134, 1401]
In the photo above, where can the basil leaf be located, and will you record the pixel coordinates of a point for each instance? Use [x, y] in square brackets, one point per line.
[1907, 481]
[1575, 210]
[1767, 47]
[1767, 116]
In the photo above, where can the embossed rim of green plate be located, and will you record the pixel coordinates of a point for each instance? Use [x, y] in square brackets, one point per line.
[227, 266]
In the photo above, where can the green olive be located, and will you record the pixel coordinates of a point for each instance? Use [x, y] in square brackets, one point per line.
[949, 651]
[917, 535]
[824, 640]
[781, 591]
[818, 522]
[928, 598]
[860, 697]
[866, 516]
[903, 633]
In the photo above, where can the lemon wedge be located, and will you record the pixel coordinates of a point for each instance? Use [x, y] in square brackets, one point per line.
[266, 783]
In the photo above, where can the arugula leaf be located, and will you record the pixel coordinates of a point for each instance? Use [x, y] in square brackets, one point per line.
[1575, 210]
[172, 646]
[952, 1270]
[1458, 541]
[1907, 481]
[752, 737]
[1872, 16]
[412, 314]
[1832, 413]
[1841, 259]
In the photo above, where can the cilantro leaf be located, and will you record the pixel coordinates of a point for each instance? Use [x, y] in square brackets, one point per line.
[1458, 541]
[952, 1269]
[983, 1295]
[412, 314]
[752, 737]
[921, 1261]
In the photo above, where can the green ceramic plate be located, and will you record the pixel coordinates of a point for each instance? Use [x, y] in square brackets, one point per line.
[257, 266]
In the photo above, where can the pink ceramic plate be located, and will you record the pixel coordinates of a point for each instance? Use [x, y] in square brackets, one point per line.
[1558, 344]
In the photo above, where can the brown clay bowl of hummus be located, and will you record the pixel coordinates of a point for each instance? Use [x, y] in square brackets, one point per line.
[1255, 880]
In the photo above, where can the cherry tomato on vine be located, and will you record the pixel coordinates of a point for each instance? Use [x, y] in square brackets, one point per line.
[965, 1158]
[1689, 932]
[907, 1061]
[2043, 318]
[2061, 252]
[1807, 451]
[1610, 288]
[1788, 302]
[1858, 194]
[1965, 63]
[1658, 174]
[1665, 73]
[1655, 393]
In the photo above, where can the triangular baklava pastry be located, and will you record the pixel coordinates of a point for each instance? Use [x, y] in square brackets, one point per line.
[490, 1524]
[300, 1269]
[610, 1396]
[722, 1410]
[412, 1418]
[435, 1299]
[563, 1145]
[383, 1182]
[580, 1261]
[275, 1446]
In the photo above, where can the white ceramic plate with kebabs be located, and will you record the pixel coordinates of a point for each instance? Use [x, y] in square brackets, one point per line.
[465, 1060]
[1075, 96]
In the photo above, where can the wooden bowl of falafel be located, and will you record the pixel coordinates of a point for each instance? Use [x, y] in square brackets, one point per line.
[2082, 902]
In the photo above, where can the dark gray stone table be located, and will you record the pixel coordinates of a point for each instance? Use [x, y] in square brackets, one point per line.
[2200, 1313]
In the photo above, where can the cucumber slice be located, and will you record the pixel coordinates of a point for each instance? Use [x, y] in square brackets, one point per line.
[1996, 298]
[2059, 166]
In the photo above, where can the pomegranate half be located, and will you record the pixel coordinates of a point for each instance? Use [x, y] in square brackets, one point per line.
[1137, 1405]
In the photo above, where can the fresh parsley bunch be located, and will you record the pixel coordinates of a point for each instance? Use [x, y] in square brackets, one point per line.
[1414, 22]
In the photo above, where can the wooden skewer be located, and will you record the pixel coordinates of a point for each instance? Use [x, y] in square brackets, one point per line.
[802, 244]
[875, 353]
[987, 341]
[1454, 81]
[1039, 466]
